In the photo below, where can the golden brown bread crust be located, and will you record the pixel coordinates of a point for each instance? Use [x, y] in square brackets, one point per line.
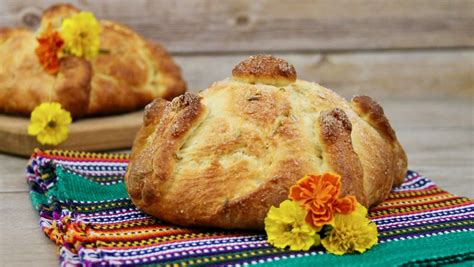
[55, 14]
[266, 68]
[169, 123]
[335, 131]
[131, 74]
[72, 84]
[141, 163]
[224, 157]
[373, 113]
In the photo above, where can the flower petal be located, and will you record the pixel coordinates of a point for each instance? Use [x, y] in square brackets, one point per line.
[345, 205]
[49, 123]
[318, 194]
[81, 34]
[50, 45]
[286, 227]
[351, 232]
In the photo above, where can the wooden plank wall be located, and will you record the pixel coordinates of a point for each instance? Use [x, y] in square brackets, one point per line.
[189, 26]
[414, 49]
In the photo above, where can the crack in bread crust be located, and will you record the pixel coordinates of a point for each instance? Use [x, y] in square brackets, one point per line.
[373, 114]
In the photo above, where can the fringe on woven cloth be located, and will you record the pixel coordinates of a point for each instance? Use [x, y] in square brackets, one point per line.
[85, 210]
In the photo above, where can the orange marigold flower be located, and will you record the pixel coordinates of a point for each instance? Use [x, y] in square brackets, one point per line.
[50, 44]
[319, 194]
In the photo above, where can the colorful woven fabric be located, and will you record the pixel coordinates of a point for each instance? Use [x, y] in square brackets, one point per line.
[85, 210]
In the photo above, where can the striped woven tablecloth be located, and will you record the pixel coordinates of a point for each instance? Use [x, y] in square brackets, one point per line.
[84, 208]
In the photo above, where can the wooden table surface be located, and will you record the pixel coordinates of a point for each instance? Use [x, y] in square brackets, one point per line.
[415, 57]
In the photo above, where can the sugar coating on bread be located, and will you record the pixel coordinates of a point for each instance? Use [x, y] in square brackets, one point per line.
[242, 143]
[265, 69]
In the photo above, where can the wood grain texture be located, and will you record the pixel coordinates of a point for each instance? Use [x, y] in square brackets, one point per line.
[21, 241]
[246, 25]
[420, 75]
[91, 134]
[444, 155]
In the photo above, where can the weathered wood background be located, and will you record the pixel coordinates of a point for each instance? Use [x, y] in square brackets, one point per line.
[416, 57]
[190, 26]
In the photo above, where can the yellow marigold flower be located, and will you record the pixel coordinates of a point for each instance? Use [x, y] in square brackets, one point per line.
[49, 123]
[351, 232]
[286, 226]
[81, 34]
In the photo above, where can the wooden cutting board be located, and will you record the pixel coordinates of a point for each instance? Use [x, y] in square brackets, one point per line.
[90, 134]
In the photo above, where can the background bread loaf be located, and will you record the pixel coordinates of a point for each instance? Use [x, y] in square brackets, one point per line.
[129, 74]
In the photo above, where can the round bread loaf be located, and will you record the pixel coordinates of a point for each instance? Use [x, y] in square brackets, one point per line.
[223, 157]
[129, 74]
